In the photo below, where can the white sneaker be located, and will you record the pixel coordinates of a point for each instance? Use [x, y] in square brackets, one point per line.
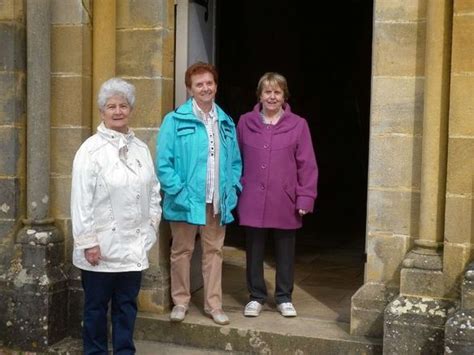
[287, 309]
[178, 313]
[252, 309]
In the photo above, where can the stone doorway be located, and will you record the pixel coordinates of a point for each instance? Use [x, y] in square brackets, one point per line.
[326, 57]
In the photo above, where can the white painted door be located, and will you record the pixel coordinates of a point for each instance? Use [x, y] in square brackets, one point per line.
[195, 39]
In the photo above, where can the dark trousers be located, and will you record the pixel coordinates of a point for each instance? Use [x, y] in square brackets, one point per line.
[284, 240]
[121, 288]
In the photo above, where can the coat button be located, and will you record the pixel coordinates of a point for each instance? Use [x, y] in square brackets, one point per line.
[138, 196]
[138, 230]
[262, 187]
[263, 166]
[265, 146]
[113, 229]
[139, 264]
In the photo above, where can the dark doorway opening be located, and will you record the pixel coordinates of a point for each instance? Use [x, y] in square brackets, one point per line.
[325, 54]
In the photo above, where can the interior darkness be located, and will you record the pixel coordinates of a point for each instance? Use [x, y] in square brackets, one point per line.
[325, 54]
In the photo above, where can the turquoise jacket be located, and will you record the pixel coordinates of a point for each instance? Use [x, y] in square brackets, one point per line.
[181, 165]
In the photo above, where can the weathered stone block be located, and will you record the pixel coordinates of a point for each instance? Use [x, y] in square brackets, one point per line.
[12, 10]
[143, 13]
[6, 298]
[70, 11]
[463, 45]
[415, 325]
[395, 161]
[467, 294]
[9, 198]
[463, 6]
[168, 54]
[397, 105]
[385, 253]
[421, 283]
[367, 307]
[400, 10]
[12, 147]
[37, 320]
[456, 257]
[71, 49]
[7, 228]
[394, 41]
[460, 166]
[64, 144]
[65, 226]
[76, 308]
[37, 316]
[167, 100]
[459, 333]
[149, 137]
[156, 300]
[140, 52]
[71, 101]
[149, 109]
[396, 211]
[7, 236]
[13, 98]
[461, 105]
[13, 53]
[61, 197]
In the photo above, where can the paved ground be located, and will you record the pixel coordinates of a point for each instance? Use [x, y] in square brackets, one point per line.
[73, 347]
[326, 277]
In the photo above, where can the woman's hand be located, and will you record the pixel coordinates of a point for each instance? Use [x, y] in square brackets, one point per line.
[302, 212]
[93, 255]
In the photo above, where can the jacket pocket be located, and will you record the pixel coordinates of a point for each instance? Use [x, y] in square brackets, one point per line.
[110, 246]
[185, 130]
[231, 199]
[150, 238]
[181, 200]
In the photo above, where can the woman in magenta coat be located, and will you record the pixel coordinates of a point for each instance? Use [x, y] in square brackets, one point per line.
[279, 187]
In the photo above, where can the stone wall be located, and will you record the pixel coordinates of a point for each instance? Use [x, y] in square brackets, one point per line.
[394, 157]
[12, 137]
[459, 222]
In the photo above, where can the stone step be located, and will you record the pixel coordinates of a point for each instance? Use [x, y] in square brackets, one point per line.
[270, 333]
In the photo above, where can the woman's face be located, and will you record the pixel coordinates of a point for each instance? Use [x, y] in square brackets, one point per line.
[116, 113]
[272, 97]
[203, 88]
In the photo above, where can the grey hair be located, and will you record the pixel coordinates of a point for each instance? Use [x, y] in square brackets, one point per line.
[115, 86]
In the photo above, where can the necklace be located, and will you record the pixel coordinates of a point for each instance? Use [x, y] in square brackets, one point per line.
[274, 119]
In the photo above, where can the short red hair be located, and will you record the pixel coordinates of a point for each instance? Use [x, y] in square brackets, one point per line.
[199, 68]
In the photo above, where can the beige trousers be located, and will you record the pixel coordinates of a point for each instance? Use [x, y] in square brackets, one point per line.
[212, 242]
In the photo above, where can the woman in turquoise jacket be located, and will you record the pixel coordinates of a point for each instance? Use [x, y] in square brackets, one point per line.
[199, 167]
[182, 152]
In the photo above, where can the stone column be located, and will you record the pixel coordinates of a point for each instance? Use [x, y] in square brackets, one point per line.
[414, 321]
[103, 49]
[145, 57]
[37, 313]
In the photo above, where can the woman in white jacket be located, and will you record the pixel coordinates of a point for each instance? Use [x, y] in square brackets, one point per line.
[115, 209]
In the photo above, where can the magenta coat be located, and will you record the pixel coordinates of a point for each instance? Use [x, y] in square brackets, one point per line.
[279, 170]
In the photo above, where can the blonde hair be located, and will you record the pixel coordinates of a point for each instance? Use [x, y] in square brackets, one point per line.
[272, 78]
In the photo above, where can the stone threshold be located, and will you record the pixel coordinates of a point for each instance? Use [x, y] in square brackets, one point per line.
[270, 333]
